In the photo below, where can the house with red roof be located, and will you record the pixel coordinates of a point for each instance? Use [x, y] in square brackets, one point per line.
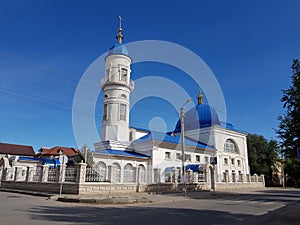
[74, 155]
[17, 150]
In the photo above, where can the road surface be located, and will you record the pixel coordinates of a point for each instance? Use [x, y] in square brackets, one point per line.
[268, 206]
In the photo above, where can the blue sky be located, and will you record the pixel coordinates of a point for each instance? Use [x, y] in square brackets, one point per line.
[46, 46]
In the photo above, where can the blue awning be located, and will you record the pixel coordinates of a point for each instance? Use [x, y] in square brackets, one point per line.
[193, 167]
[169, 169]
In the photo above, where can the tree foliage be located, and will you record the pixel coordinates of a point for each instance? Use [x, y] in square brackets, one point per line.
[262, 155]
[289, 127]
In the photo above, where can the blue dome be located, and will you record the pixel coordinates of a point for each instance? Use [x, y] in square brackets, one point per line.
[199, 117]
[118, 49]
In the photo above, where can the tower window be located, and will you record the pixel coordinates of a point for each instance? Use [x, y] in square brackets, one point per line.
[123, 112]
[104, 112]
[124, 74]
[230, 146]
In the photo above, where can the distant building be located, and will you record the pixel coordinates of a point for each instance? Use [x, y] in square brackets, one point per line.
[73, 155]
[16, 150]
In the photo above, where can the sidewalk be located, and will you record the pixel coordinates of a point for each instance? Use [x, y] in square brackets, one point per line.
[119, 198]
[140, 197]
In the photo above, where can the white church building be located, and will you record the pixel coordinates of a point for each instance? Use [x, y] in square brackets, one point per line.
[215, 152]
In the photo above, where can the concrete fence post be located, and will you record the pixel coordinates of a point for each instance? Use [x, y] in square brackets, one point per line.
[175, 176]
[255, 178]
[263, 179]
[44, 173]
[111, 173]
[16, 174]
[61, 173]
[4, 174]
[248, 178]
[189, 176]
[81, 173]
[29, 174]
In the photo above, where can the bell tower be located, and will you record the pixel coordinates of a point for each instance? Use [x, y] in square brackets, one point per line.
[117, 87]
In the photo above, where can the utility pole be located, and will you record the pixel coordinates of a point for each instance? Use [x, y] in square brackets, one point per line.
[85, 153]
[183, 145]
[282, 171]
[182, 148]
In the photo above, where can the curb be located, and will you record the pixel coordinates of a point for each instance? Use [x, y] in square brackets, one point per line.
[40, 194]
[111, 200]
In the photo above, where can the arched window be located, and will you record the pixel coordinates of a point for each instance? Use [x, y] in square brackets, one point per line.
[117, 172]
[105, 112]
[101, 169]
[123, 112]
[128, 173]
[105, 96]
[123, 75]
[123, 96]
[230, 146]
[142, 173]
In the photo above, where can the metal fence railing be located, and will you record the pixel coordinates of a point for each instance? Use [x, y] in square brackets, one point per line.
[71, 174]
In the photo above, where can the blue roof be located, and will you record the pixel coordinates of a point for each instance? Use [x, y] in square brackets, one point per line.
[159, 136]
[203, 116]
[199, 117]
[123, 153]
[118, 49]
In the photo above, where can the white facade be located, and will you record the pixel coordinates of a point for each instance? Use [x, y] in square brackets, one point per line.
[131, 155]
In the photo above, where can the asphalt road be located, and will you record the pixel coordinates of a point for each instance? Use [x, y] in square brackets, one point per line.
[269, 206]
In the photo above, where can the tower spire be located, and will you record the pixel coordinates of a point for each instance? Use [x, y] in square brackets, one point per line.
[119, 35]
[200, 98]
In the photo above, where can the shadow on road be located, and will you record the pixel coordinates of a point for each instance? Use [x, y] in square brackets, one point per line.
[134, 215]
[266, 195]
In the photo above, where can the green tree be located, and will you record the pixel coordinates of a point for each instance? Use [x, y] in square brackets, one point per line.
[262, 155]
[289, 127]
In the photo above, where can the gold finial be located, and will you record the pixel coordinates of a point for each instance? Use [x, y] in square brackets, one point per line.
[119, 35]
[200, 98]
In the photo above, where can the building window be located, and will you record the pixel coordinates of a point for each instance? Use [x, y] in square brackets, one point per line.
[123, 96]
[117, 172]
[124, 74]
[225, 161]
[197, 158]
[232, 161]
[128, 173]
[206, 159]
[101, 169]
[168, 155]
[239, 162]
[229, 146]
[123, 112]
[178, 156]
[104, 112]
[187, 157]
[142, 174]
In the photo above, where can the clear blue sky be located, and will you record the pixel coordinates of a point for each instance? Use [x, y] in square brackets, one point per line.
[46, 46]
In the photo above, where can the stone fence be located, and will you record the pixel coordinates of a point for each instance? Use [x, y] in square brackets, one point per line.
[78, 180]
